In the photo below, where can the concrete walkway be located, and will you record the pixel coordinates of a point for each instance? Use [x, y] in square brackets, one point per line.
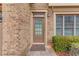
[47, 52]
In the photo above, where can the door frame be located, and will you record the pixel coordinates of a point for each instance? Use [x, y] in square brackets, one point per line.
[45, 24]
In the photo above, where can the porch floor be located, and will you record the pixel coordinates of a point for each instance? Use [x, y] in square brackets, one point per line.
[47, 52]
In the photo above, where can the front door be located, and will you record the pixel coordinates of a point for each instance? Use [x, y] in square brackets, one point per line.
[38, 29]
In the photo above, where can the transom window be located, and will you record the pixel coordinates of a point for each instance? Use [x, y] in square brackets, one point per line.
[67, 25]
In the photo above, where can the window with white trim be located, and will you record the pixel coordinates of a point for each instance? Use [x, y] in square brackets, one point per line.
[67, 25]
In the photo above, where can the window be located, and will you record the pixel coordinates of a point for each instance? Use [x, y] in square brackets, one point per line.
[77, 25]
[38, 14]
[38, 26]
[67, 25]
[59, 25]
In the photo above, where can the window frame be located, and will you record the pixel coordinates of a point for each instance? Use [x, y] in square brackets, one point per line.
[74, 15]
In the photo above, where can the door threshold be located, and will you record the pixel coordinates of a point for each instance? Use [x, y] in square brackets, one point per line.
[38, 47]
[38, 43]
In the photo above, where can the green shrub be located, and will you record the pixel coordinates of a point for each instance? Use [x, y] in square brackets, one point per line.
[74, 49]
[63, 43]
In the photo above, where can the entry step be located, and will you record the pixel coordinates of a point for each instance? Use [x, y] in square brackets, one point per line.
[38, 47]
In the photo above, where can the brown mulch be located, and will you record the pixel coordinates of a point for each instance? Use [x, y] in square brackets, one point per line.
[66, 53]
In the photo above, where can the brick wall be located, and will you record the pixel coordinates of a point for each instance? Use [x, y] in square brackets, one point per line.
[16, 29]
[39, 6]
[50, 24]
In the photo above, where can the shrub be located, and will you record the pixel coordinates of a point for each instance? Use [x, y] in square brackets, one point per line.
[60, 43]
[74, 49]
[63, 43]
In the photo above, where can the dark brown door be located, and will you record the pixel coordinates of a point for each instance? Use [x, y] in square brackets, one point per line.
[38, 30]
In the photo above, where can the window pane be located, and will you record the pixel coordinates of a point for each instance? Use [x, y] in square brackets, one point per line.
[77, 25]
[59, 25]
[59, 31]
[69, 25]
[69, 32]
[38, 20]
[38, 26]
[38, 29]
[59, 19]
[77, 31]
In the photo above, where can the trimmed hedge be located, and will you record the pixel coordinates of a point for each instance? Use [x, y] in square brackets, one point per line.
[74, 49]
[63, 43]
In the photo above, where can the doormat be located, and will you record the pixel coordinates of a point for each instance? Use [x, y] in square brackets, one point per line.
[38, 47]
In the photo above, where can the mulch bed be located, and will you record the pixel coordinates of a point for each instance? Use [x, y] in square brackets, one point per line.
[66, 53]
